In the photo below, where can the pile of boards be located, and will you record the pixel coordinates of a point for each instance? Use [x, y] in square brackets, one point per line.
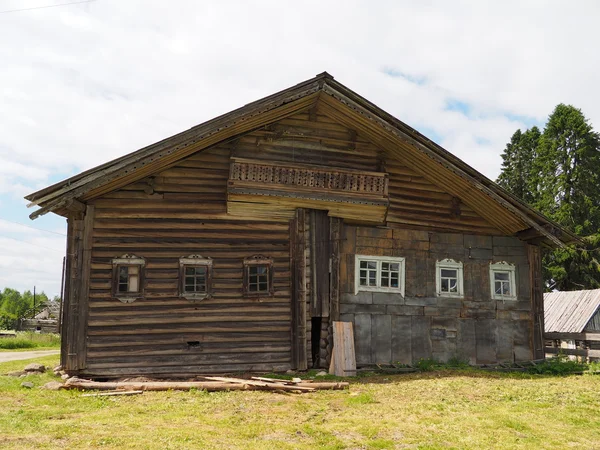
[210, 384]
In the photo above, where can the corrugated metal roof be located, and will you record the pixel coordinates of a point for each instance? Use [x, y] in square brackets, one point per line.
[569, 312]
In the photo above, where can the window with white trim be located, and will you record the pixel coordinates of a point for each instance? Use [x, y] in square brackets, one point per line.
[379, 274]
[195, 275]
[449, 278]
[128, 277]
[502, 281]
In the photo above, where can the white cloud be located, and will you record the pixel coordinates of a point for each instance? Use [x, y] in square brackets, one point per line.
[83, 84]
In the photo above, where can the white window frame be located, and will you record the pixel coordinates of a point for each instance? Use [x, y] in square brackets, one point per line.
[503, 267]
[379, 259]
[451, 265]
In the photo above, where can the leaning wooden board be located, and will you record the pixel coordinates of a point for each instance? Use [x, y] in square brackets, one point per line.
[343, 359]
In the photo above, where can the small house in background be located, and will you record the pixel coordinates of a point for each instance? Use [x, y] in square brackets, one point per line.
[46, 321]
[572, 319]
[234, 245]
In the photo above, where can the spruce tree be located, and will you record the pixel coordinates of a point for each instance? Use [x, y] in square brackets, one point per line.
[558, 172]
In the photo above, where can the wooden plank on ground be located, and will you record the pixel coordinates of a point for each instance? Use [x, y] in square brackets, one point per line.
[343, 360]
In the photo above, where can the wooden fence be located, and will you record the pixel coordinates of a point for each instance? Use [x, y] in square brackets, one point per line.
[587, 344]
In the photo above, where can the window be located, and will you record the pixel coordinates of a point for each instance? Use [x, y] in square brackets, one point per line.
[258, 276]
[449, 278]
[128, 277]
[379, 273]
[502, 281]
[195, 277]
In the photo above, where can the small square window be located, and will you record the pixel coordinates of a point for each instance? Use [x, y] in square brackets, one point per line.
[379, 274]
[128, 277]
[502, 281]
[258, 276]
[195, 277]
[449, 278]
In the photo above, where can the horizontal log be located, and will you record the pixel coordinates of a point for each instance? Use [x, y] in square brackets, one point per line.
[573, 336]
[211, 386]
[573, 351]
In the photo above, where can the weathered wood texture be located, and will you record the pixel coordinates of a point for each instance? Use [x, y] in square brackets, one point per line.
[390, 328]
[181, 211]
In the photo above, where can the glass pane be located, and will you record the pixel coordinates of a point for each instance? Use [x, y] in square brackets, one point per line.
[505, 288]
[263, 287]
[501, 276]
[363, 274]
[189, 270]
[385, 266]
[363, 264]
[189, 281]
[261, 270]
[449, 273]
[498, 287]
[363, 281]
[123, 274]
[385, 281]
[395, 267]
[372, 278]
[444, 285]
[372, 264]
[453, 285]
[394, 283]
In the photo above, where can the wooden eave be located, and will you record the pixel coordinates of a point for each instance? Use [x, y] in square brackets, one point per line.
[501, 209]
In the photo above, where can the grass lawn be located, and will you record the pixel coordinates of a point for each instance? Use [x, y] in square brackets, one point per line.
[29, 340]
[430, 410]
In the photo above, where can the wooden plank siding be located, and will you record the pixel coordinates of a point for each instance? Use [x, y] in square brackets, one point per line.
[182, 210]
[183, 213]
[473, 327]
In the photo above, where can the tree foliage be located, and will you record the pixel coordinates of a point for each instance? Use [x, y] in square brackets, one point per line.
[558, 172]
[15, 306]
[517, 161]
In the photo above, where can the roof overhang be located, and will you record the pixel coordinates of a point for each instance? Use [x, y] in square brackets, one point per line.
[500, 208]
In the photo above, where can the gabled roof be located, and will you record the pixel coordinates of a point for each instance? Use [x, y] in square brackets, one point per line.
[503, 210]
[570, 312]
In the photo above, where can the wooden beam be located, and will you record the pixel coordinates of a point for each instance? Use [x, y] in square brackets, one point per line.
[573, 351]
[84, 291]
[572, 336]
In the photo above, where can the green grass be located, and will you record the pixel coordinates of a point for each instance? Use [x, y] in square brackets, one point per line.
[449, 408]
[30, 340]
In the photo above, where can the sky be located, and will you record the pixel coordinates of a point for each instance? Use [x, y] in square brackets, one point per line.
[84, 83]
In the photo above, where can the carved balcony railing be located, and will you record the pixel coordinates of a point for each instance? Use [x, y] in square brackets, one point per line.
[309, 177]
[288, 185]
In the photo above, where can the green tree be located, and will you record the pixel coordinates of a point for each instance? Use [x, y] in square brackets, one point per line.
[568, 169]
[517, 160]
[558, 172]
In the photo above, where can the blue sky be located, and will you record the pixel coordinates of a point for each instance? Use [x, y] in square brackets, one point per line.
[83, 84]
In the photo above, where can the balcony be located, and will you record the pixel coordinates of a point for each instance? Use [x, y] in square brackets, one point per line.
[276, 189]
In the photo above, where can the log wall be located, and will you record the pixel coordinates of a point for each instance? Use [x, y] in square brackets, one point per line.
[475, 328]
[182, 210]
[177, 213]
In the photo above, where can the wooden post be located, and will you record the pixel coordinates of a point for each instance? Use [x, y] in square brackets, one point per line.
[334, 288]
[534, 255]
[84, 293]
[298, 271]
[301, 280]
[71, 308]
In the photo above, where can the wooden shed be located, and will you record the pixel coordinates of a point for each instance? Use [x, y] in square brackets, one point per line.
[572, 321]
[232, 246]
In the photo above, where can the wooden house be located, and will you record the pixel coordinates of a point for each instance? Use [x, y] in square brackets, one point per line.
[232, 246]
[572, 322]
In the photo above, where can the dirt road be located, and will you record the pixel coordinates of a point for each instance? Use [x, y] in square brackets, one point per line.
[17, 356]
